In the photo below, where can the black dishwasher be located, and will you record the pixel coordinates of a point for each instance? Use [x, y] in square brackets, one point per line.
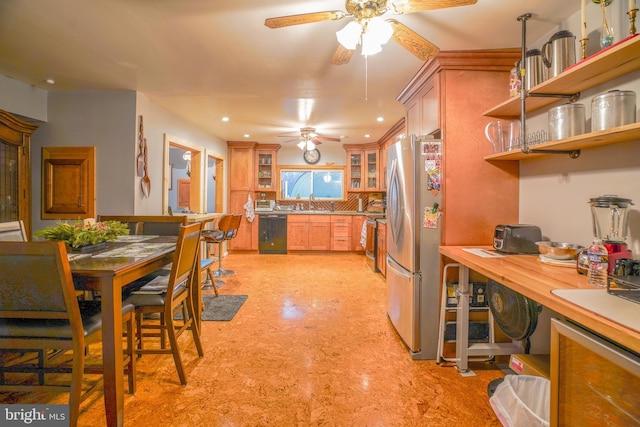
[272, 229]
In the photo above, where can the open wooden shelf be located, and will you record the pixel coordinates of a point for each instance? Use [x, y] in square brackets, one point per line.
[587, 140]
[615, 61]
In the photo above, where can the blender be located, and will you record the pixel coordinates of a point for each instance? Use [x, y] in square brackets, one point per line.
[609, 214]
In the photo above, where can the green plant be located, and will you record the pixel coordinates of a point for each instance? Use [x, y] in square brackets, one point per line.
[78, 234]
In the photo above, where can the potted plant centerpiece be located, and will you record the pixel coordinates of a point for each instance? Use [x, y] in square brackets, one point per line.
[81, 234]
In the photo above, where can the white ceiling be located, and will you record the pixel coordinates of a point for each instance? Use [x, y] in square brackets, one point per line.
[205, 59]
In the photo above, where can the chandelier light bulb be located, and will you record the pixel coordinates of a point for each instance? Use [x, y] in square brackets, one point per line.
[349, 36]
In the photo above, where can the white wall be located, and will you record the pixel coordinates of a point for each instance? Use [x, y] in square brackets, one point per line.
[157, 123]
[555, 190]
[109, 121]
[22, 99]
[332, 152]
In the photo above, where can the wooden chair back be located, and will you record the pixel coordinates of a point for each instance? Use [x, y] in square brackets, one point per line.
[186, 263]
[13, 231]
[157, 225]
[39, 310]
[235, 225]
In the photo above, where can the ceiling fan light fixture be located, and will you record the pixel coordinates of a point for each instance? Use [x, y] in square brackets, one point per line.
[379, 29]
[349, 36]
[310, 145]
[302, 145]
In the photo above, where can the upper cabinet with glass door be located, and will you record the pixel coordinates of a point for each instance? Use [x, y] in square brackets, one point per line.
[266, 167]
[363, 168]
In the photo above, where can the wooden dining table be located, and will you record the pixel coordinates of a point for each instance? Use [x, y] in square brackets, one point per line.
[108, 269]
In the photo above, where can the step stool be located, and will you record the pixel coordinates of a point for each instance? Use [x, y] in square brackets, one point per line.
[466, 352]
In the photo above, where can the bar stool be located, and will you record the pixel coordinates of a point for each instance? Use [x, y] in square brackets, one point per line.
[231, 233]
[217, 236]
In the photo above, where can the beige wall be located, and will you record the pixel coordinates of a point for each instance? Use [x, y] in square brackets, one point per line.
[555, 190]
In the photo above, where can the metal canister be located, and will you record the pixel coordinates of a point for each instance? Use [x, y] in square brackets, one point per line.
[566, 120]
[559, 52]
[536, 71]
[612, 109]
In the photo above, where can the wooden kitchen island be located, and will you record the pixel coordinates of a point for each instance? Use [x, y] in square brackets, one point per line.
[534, 279]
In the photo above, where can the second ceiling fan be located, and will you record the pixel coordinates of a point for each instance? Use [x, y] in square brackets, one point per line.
[369, 29]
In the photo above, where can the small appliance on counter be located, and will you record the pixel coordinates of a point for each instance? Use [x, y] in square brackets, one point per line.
[517, 238]
[609, 213]
[265, 205]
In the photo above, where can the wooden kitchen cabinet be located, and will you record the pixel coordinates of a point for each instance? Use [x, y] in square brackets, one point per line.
[381, 250]
[363, 167]
[15, 168]
[445, 83]
[341, 233]
[241, 185]
[297, 232]
[265, 174]
[392, 136]
[68, 182]
[319, 232]
[356, 232]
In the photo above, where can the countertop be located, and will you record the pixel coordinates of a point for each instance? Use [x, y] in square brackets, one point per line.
[534, 279]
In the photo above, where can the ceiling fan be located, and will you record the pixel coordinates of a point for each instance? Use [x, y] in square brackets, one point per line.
[309, 138]
[368, 26]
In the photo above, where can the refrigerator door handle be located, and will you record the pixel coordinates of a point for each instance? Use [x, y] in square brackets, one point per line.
[395, 202]
[398, 269]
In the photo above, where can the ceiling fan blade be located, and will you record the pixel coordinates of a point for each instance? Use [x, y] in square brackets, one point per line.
[411, 6]
[420, 47]
[304, 18]
[326, 138]
[342, 55]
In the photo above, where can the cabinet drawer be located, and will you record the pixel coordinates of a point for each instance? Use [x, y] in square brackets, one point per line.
[341, 230]
[340, 219]
[340, 244]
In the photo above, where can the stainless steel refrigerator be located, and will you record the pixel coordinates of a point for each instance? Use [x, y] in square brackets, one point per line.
[413, 262]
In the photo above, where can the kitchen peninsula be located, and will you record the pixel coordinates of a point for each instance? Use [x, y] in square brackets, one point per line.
[595, 352]
[528, 276]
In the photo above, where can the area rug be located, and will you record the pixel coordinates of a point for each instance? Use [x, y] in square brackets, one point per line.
[223, 307]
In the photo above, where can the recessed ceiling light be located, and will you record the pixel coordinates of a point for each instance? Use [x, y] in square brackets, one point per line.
[50, 81]
[380, 119]
[246, 135]
[225, 119]
[366, 135]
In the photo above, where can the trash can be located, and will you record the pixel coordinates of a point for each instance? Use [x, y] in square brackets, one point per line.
[522, 400]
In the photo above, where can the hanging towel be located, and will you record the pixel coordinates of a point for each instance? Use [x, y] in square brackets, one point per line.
[363, 235]
[248, 209]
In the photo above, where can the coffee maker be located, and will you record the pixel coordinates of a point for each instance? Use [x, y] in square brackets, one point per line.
[609, 214]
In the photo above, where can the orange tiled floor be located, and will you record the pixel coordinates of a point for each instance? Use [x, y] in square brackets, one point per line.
[311, 346]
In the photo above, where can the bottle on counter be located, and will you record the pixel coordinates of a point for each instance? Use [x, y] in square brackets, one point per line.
[598, 263]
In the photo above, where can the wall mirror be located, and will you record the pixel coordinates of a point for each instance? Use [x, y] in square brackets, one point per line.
[300, 183]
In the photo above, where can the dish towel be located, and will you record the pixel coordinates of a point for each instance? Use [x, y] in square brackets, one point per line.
[363, 235]
[248, 209]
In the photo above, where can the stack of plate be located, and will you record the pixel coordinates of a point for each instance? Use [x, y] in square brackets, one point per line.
[558, 262]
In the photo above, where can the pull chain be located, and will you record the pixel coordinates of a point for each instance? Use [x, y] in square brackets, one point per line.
[366, 78]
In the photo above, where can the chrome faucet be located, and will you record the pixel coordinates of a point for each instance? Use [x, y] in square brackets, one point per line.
[311, 199]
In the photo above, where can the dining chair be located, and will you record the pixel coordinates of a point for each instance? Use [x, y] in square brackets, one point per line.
[13, 231]
[171, 297]
[39, 311]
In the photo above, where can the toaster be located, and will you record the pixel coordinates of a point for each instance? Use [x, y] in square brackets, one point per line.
[516, 238]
